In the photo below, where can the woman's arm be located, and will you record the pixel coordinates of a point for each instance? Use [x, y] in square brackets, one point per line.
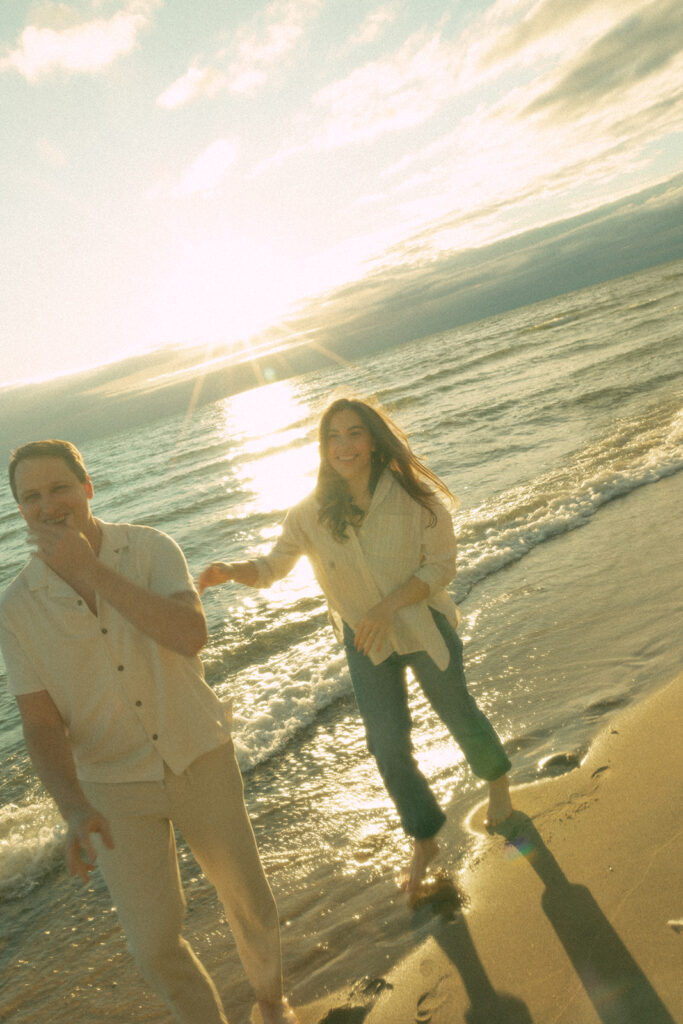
[375, 624]
[437, 568]
[438, 548]
[264, 570]
[221, 572]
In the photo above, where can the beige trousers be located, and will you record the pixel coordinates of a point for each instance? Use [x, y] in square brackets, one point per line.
[206, 804]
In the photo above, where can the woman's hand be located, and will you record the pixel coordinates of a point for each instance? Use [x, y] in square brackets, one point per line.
[374, 626]
[214, 575]
[220, 572]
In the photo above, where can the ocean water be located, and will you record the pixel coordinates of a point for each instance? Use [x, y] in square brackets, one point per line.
[560, 428]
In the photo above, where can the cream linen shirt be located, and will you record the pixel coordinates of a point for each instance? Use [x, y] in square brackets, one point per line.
[129, 704]
[393, 543]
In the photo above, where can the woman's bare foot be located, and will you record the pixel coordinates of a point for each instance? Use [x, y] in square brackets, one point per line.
[424, 851]
[277, 1013]
[500, 805]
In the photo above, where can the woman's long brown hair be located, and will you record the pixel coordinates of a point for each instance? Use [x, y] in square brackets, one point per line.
[392, 452]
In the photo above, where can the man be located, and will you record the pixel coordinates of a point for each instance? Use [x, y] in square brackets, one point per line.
[100, 633]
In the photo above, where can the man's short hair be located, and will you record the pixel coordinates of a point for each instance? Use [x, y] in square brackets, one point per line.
[52, 449]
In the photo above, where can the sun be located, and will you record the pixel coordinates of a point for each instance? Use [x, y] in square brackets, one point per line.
[219, 290]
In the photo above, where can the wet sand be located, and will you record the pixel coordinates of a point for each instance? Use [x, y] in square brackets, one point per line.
[572, 913]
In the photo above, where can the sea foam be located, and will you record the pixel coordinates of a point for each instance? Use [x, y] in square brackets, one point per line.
[31, 844]
[505, 528]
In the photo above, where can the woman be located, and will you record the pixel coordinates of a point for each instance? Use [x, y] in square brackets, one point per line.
[381, 543]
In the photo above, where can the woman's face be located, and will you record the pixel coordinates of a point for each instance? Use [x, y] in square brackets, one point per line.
[349, 447]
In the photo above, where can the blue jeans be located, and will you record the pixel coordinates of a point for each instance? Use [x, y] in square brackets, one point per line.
[382, 701]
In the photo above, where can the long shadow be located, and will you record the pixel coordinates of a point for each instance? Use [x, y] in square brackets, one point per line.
[615, 984]
[487, 1006]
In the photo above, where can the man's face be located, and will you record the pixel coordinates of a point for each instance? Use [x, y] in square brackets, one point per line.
[48, 491]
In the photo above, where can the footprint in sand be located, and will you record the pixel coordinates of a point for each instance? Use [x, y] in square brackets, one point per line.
[429, 1002]
[440, 894]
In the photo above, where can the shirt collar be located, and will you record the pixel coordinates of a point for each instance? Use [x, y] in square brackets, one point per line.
[385, 486]
[114, 540]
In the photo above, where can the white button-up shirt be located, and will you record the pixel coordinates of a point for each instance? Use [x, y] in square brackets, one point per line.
[128, 703]
[394, 542]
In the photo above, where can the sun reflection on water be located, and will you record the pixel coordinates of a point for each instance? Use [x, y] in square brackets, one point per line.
[277, 433]
[276, 429]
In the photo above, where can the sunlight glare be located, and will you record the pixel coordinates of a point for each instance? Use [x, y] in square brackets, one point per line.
[274, 425]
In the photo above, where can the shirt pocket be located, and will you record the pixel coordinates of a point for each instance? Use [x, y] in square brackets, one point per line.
[74, 619]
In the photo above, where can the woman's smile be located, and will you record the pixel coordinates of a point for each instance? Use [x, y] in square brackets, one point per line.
[349, 446]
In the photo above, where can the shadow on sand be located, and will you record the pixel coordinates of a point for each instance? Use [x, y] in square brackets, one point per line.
[615, 984]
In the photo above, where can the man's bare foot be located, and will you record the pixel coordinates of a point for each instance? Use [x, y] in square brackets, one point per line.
[500, 805]
[424, 851]
[277, 1013]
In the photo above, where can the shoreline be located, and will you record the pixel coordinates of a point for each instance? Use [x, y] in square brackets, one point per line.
[572, 910]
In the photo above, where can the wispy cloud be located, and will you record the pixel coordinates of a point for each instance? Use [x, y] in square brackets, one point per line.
[522, 31]
[561, 129]
[195, 82]
[389, 95]
[373, 25]
[635, 49]
[248, 63]
[59, 43]
[208, 171]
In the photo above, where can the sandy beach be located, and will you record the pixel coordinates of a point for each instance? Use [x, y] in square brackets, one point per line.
[572, 913]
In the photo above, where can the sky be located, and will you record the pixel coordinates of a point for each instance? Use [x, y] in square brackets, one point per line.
[192, 173]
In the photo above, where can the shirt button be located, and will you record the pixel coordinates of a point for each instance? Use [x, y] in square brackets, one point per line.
[155, 736]
[138, 703]
[103, 630]
[120, 668]
[79, 601]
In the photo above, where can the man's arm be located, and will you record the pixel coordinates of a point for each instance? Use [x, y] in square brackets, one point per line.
[176, 622]
[50, 752]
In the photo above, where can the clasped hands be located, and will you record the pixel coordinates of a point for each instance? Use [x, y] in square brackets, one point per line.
[213, 576]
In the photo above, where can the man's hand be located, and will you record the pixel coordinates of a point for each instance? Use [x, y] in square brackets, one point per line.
[374, 626]
[65, 550]
[80, 851]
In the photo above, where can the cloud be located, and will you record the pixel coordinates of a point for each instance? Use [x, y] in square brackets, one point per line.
[195, 82]
[247, 64]
[524, 49]
[418, 296]
[87, 47]
[391, 94]
[390, 306]
[637, 48]
[532, 30]
[373, 25]
[498, 162]
[207, 172]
